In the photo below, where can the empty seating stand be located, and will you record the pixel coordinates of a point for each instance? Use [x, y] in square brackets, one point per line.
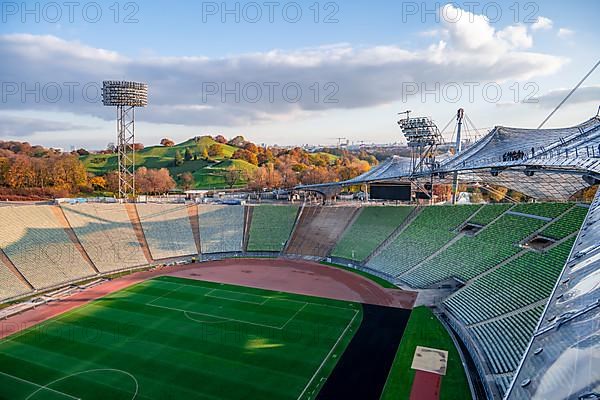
[504, 340]
[107, 235]
[10, 285]
[489, 212]
[517, 284]
[271, 227]
[35, 242]
[471, 256]
[319, 229]
[567, 224]
[167, 230]
[428, 233]
[369, 230]
[548, 210]
[221, 228]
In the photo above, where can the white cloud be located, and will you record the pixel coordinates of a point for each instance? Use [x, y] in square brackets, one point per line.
[565, 33]
[542, 23]
[472, 50]
[430, 33]
[516, 36]
[16, 127]
[585, 94]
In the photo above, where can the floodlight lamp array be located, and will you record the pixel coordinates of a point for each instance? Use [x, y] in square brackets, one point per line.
[124, 93]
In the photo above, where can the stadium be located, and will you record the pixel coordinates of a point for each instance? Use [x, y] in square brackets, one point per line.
[366, 300]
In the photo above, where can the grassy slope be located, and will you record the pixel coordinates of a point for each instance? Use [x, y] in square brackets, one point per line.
[177, 355]
[424, 329]
[380, 281]
[212, 176]
[207, 175]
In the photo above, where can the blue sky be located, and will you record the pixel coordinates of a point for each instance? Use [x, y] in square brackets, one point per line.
[358, 65]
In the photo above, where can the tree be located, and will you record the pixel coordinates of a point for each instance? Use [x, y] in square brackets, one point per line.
[220, 139]
[112, 181]
[4, 167]
[20, 173]
[178, 158]
[237, 141]
[313, 175]
[167, 142]
[69, 173]
[232, 176]
[251, 147]
[245, 155]
[215, 150]
[289, 177]
[188, 156]
[153, 181]
[98, 183]
[498, 193]
[265, 177]
[205, 153]
[187, 180]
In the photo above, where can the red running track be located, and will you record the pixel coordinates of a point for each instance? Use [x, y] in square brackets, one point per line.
[293, 276]
[426, 386]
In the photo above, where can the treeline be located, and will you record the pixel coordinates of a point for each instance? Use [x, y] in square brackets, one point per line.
[36, 173]
[278, 167]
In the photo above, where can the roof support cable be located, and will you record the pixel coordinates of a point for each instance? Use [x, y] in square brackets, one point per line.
[569, 95]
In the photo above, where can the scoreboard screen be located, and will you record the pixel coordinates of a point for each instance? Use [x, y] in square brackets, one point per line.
[383, 191]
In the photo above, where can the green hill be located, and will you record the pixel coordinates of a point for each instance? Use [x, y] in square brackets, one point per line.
[207, 173]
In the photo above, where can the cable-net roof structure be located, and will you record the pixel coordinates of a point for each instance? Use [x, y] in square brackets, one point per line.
[546, 164]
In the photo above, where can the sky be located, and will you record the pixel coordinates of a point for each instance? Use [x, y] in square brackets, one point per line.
[292, 72]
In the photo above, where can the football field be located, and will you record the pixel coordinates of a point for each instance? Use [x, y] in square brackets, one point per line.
[173, 338]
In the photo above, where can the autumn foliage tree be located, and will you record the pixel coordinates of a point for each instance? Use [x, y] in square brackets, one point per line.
[245, 155]
[153, 181]
[215, 150]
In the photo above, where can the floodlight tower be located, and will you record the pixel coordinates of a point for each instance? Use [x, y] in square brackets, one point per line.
[423, 138]
[125, 96]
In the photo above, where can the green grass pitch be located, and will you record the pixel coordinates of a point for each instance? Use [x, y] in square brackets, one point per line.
[173, 338]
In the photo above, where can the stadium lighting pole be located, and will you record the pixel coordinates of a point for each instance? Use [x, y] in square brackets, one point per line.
[422, 137]
[459, 117]
[125, 96]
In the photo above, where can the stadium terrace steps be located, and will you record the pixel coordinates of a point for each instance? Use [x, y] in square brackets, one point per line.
[503, 341]
[62, 220]
[270, 227]
[167, 230]
[471, 256]
[247, 224]
[192, 211]
[371, 227]
[318, 230]
[12, 282]
[547, 210]
[409, 219]
[221, 228]
[489, 213]
[107, 235]
[39, 247]
[134, 218]
[570, 222]
[525, 280]
[428, 232]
